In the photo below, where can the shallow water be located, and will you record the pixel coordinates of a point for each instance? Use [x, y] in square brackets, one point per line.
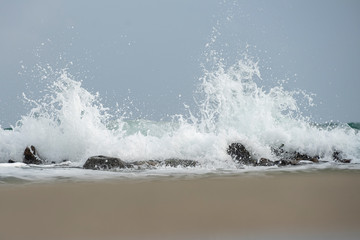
[19, 173]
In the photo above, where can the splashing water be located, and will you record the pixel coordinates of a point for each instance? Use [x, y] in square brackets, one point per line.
[236, 108]
[70, 123]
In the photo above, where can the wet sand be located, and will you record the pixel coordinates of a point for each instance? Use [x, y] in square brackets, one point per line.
[212, 207]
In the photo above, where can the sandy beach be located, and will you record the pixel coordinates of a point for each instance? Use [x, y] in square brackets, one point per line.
[212, 207]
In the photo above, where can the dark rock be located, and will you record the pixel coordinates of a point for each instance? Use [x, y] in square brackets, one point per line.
[265, 162]
[338, 157]
[105, 163]
[299, 156]
[345, 160]
[31, 156]
[11, 161]
[239, 153]
[179, 162]
[285, 155]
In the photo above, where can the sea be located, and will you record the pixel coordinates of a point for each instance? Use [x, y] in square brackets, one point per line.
[68, 124]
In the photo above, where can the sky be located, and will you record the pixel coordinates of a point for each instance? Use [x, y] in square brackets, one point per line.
[152, 51]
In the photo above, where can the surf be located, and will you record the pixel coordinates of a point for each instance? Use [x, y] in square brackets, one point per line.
[71, 123]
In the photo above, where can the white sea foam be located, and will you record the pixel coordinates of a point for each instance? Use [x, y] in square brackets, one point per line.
[70, 123]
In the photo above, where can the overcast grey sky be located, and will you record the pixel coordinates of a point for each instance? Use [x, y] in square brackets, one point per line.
[154, 48]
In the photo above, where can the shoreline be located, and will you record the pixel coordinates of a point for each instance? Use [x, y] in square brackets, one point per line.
[234, 205]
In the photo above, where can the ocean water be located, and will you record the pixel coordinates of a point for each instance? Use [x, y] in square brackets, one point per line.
[71, 123]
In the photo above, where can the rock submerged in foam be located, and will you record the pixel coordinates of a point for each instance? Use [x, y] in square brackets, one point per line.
[180, 162]
[31, 156]
[241, 155]
[236, 150]
[105, 163]
[108, 163]
[292, 156]
[264, 162]
[171, 162]
[338, 157]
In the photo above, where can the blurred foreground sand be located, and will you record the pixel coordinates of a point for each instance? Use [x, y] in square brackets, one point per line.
[209, 207]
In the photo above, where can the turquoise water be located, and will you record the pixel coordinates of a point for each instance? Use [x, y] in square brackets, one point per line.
[355, 125]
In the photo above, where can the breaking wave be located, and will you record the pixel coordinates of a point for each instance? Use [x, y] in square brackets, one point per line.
[71, 123]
